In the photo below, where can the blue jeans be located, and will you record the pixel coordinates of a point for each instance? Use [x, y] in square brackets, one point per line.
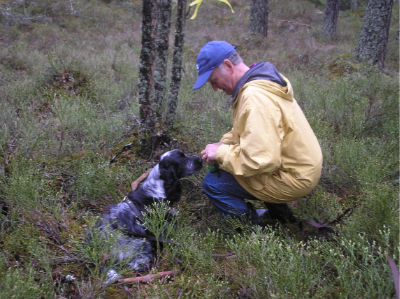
[226, 194]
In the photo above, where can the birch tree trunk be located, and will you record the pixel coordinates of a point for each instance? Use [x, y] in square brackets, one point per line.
[375, 32]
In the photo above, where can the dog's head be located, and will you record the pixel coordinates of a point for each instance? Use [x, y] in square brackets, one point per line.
[175, 165]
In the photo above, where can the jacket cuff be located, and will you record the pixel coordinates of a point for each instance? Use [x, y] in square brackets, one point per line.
[221, 153]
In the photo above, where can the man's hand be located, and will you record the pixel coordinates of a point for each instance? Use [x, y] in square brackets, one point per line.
[209, 153]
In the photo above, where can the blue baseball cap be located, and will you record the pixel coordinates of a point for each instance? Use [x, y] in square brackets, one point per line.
[210, 56]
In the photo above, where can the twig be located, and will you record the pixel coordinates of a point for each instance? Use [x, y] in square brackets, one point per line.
[49, 228]
[294, 22]
[348, 212]
[148, 277]
[124, 148]
[67, 260]
[395, 273]
[227, 255]
[136, 183]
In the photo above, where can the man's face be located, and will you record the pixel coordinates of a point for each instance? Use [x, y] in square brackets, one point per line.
[221, 79]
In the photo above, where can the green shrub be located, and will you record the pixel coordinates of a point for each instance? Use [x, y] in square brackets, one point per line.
[24, 282]
[94, 183]
[27, 188]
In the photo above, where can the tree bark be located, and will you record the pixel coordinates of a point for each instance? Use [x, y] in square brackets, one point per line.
[375, 32]
[176, 63]
[146, 81]
[354, 4]
[152, 85]
[330, 18]
[163, 11]
[259, 17]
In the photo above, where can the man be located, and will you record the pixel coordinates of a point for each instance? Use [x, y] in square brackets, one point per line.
[271, 153]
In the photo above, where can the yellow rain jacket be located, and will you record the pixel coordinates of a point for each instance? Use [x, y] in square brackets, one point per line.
[271, 150]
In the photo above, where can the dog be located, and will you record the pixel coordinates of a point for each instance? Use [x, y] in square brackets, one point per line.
[135, 244]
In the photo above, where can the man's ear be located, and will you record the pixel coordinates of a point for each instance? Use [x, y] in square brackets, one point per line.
[228, 66]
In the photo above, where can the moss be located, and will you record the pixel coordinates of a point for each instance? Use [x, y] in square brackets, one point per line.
[342, 65]
[116, 292]
[69, 81]
[17, 243]
[126, 150]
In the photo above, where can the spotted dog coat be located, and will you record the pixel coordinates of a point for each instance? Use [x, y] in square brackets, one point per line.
[136, 244]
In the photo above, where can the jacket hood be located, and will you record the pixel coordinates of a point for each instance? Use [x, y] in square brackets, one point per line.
[259, 71]
[285, 93]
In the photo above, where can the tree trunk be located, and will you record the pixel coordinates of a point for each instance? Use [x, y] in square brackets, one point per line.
[176, 63]
[146, 81]
[375, 32]
[163, 17]
[354, 4]
[330, 18]
[259, 17]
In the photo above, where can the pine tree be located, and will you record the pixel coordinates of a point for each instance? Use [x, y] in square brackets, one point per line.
[176, 63]
[259, 17]
[146, 80]
[330, 18]
[375, 32]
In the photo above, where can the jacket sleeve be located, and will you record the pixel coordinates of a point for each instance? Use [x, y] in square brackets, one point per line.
[259, 126]
[227, 138]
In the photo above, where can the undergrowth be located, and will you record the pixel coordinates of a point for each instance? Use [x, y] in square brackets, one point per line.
[69, 147]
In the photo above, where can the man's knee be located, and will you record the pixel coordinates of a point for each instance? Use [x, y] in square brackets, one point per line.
[208, 184]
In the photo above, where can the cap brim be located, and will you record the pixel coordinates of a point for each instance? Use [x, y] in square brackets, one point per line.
[202, 79]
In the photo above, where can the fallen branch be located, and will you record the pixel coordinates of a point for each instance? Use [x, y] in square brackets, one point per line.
[148, 277]
[68, 260]
[395, 273]
[125, 148]
[51, 228]
[293, 22]
[140, 179]
[223, 255]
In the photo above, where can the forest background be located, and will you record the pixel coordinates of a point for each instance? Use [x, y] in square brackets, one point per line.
[70, 145]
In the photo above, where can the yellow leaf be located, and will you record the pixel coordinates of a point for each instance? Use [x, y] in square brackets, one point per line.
[227, 3]
[197, 3]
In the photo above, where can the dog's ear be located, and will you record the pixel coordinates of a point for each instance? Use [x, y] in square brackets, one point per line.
[168, 172]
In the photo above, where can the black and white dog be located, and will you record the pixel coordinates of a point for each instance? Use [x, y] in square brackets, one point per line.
[136, 245]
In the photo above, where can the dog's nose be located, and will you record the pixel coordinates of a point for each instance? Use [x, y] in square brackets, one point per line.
[198, 161]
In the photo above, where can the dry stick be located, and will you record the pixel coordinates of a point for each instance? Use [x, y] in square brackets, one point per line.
[68, 260]
[148, 277]
[140, 179]
[294, 22]
[227, 255]
[395, 273]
